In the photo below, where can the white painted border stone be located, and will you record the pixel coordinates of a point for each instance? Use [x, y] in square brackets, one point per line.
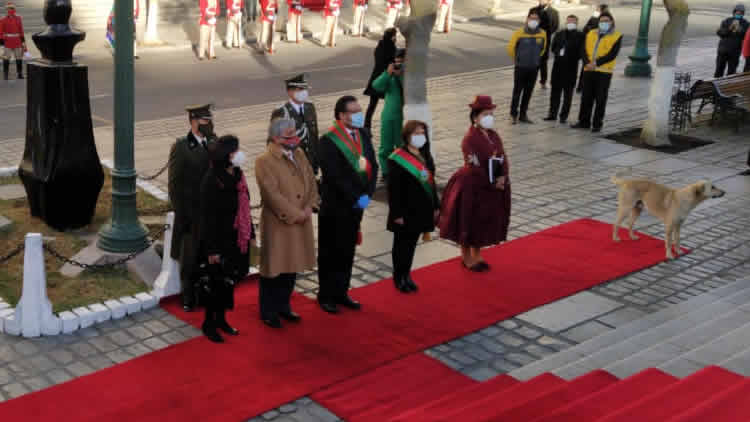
[85, 316]
[117, 309]
[70, 322]
[8, 171]
[132, 304]
[147, 301]
[102, 312]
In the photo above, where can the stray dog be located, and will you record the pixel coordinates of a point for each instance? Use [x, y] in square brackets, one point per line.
[671, 206]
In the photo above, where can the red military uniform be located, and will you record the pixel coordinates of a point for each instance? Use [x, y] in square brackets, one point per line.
[268, 9]
[358, 24]
[360, 2]
[234, 36]
[11, 31]
[333, 8]
[234, 7]
[209, 10]
[295, 6]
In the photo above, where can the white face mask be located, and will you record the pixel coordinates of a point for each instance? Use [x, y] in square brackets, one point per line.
[418, 141]
[301, 96]
[572, 26]
[487, 122]
[238, 160]
[533, 24]
[596, 14]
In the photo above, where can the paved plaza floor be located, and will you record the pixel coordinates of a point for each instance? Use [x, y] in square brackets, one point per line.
[558, 175]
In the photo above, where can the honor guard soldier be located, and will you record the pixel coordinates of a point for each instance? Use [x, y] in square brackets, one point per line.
[304, 115]
[358, 26]
[209, 10]
[332, 12]
[188, 163]
[294, 24]
[12, 40]
[268, 9]
[234, 24]
[445, 16]
[393, 8]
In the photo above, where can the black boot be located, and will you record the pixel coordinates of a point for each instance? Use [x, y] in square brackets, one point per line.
[6, 69]
[410, 283]
[223, 325]
[209, 327]
[19, 68]
[400, 282]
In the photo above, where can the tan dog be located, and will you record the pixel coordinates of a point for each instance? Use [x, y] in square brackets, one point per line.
[671, 206]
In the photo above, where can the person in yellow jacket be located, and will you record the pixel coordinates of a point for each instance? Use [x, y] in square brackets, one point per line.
[526, 47]
[599, 59]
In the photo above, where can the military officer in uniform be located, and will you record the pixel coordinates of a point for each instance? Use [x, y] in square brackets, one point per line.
[188, 163]
[332, 12]
[207, 23]
[304, 115]
[358, 26]
[268, 9]
[294, 24]
[12, 40]
[234, 24]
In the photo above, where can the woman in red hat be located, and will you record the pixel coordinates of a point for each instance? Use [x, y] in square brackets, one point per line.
[475, 210]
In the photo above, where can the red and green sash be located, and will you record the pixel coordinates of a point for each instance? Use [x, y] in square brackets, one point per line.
[352, 150]
[416, 168]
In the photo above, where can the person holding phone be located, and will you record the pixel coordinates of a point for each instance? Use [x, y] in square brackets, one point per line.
[391, 84]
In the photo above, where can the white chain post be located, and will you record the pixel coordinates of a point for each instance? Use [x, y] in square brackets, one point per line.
[168, 281]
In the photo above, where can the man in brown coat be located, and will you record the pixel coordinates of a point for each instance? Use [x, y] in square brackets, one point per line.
[289, 194]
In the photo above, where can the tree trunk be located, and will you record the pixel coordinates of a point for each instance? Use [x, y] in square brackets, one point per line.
[152, 23]
[656, 128]
[417, 29]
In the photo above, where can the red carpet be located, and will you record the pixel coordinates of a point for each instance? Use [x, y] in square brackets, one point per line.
[392, 389]
[264, 368]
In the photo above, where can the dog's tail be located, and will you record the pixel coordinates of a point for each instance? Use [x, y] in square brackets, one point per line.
[617, 177]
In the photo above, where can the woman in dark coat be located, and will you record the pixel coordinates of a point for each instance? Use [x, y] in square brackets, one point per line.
[412, 200]
[476, 212]
[385, 52]
[226, 232]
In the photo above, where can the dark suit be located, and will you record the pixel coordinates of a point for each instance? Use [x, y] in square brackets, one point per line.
[565, 70]
[408, 199]
[188, 163]
[307, 129]
[339, 218]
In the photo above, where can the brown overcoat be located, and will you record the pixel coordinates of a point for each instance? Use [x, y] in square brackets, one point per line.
[286, 189]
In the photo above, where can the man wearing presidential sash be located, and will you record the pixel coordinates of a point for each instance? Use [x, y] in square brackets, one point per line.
[304, 115]
[349, 171]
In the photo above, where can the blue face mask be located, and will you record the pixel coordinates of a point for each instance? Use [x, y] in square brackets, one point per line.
[738, 16]
[604, 27]
[358, 120]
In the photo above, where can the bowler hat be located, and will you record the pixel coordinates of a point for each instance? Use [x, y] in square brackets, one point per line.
[483, 102]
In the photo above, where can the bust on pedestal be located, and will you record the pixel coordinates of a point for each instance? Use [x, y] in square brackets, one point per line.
[60, 169]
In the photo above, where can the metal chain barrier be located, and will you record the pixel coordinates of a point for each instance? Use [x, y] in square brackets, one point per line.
[108, 265]
[7, 257]
[154, 176]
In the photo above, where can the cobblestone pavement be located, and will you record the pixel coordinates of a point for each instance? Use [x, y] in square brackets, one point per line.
[559, 175]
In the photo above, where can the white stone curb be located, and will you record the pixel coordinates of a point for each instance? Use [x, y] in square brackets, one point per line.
[8, 171]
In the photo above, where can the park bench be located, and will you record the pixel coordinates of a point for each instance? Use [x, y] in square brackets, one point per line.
[729, 96]
[732, 98]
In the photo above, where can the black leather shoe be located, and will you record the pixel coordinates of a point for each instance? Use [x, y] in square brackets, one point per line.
[225, 327]
[350, 303]
[579, 125]
[290, 316]
[211, 334]
[331, 308]
[514, 119]
[550, 119]
[274, 322]
[525, 119]
[745, 173]
[563, 120]
[400, 284]
[188, 308]
[410, 283]
[596, 130]
[484, 266]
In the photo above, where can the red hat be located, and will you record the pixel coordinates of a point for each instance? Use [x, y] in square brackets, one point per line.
[483, 102]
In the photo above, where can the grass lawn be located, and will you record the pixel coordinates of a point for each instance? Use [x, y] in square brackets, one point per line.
[65, 293]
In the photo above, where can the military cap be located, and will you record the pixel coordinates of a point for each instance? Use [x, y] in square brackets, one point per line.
[298, 81]
[200, 111]
[10, 5]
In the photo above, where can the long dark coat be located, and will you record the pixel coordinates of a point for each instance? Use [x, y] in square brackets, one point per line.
[474, 213]
[219, 202]
[188, 163]
[408, 199]
[565, 68]
[385, 53]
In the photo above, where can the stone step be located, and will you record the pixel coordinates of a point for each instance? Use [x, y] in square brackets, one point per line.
[654, 337]
[627, 331]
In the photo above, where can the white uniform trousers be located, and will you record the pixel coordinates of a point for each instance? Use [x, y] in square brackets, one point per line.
[358, 26]
[234, 31]
[294, 28]
[329, 35]
[265, 40]
[207, 38]
[444, 19]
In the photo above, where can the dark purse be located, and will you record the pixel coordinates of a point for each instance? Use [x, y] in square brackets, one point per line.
[215, 285]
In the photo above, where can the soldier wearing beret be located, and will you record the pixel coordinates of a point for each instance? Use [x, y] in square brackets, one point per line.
[188, 163]
[304, 115]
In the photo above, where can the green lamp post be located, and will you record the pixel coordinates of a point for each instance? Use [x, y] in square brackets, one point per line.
[124, 233]
[639, 66]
